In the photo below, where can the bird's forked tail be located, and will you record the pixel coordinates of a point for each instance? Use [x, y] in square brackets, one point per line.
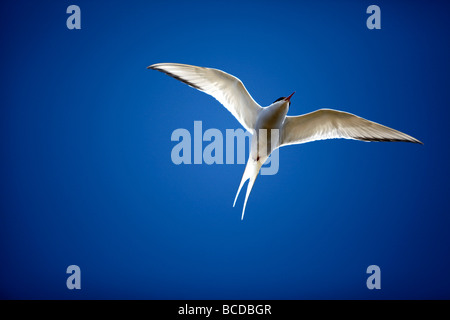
[251, 172]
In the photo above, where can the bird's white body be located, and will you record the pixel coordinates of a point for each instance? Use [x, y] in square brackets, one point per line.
[265, 139]
[269, 124]
[271, 128]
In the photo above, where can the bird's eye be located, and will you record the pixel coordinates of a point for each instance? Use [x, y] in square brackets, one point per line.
[279, 99]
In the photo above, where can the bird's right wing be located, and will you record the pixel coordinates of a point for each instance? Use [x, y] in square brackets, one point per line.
[227, 89]
[331, 124]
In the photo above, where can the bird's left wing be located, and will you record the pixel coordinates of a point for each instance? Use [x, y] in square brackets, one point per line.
[331, 124]
[227, 89]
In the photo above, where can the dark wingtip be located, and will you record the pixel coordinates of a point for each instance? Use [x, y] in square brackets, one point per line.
[154, 67]
[416, 141]
[388, 140]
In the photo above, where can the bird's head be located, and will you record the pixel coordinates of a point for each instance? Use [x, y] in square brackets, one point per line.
[284, 99]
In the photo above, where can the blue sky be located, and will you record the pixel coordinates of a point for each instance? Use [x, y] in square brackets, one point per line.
[87, 177]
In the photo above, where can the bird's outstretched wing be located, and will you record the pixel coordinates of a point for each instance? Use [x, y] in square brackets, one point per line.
[331, 124]
[227, 89]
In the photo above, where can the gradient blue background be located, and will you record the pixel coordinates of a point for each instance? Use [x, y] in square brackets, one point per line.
[87, 178]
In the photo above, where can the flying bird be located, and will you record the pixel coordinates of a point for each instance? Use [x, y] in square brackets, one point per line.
[270, 126]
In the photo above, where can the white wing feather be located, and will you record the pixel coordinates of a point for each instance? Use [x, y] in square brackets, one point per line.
[331, 124]
[227, 89]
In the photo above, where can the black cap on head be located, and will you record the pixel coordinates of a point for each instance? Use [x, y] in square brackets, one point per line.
[288, 99]
[282, 98]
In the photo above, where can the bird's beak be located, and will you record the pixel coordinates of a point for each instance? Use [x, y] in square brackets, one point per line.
[289, 98]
